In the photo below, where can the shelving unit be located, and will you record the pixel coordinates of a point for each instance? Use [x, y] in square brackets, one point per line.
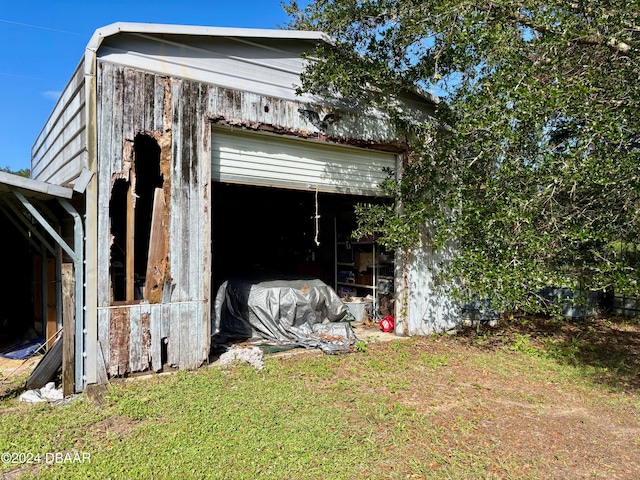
[360, 271]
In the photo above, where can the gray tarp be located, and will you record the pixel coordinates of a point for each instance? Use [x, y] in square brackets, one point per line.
[289, 311]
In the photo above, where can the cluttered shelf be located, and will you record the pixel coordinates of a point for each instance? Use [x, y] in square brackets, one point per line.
[364, 275]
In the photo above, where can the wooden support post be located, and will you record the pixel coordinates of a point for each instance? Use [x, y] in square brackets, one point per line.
[52, 320]
[68, 332]
[129, 271]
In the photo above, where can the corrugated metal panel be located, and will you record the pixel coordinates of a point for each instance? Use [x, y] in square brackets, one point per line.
[263, 159]
[59, 153]
[264, 66]
[428, 308]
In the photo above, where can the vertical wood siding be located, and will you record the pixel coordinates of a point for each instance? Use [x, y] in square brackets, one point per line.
[131, 103]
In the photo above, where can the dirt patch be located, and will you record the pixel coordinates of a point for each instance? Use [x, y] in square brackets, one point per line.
[479, 401]
[13, 374]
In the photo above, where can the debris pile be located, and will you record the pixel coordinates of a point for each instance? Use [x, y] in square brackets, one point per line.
[252, 355]
[48, 393]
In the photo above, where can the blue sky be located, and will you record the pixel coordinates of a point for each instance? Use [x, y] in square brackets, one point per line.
[42, 41]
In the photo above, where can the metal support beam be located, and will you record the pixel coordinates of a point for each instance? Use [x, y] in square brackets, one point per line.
[78, 247]
[45, 224]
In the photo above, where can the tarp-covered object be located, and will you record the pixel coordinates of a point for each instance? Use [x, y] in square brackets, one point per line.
[290, 311]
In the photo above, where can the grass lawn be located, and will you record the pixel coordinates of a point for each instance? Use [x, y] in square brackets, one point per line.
[533, 398]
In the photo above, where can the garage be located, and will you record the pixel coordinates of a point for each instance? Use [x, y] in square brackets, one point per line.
[285, 206]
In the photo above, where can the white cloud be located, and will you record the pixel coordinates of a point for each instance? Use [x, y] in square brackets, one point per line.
[52, 94]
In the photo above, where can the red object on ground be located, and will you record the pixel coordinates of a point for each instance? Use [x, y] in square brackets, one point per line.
[387, 324]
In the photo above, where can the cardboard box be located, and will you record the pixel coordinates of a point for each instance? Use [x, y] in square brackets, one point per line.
[364, 279]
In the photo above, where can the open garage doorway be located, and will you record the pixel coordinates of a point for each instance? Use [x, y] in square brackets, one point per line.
[274, 230]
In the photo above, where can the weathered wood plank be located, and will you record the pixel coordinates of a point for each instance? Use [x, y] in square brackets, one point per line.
[129, 269]
[160, 83]
[173, 352]
[157, 257]
[145, 347]
[52, 327]
[107, 108]
[135, 338]
[117, 141]
[139, 102]
[69, 328]
[104, 335]
[155, 330]
[165, 326]
[119, 341]
[175, 234]
[186, 346]
[128, 120]
[149, 99]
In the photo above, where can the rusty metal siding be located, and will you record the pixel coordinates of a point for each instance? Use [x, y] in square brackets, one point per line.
[59, 153]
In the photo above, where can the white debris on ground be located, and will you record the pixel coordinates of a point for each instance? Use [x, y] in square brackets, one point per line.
[252, 355]
[48, 393]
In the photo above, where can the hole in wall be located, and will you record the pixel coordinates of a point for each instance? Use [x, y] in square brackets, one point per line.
[131, 215]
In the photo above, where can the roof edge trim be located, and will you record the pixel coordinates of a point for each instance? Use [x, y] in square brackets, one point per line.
[36, 186]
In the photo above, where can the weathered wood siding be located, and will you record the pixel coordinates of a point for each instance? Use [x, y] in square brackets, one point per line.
[59, 153]
[173, 112]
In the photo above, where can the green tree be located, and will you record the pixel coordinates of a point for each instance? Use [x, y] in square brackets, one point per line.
[533, 168]
[24, 172]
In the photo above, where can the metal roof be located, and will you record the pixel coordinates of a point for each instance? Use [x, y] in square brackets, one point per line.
[32, 188]
[194, 30]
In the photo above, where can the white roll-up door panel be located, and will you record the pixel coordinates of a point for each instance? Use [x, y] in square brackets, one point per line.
[263, 159]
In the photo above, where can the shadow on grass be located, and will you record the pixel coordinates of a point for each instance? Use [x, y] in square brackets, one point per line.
[608, 348]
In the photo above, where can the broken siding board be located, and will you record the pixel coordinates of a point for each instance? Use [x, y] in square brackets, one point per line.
[135, 338]
[145, 323]
[103, 334]
[194, 221]
[130, 241]
[119, 341]
[156, 258]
